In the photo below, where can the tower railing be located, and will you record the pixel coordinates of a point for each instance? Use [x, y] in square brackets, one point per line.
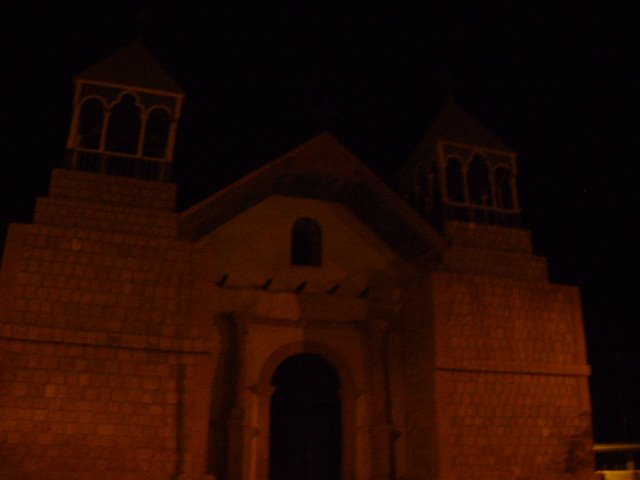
[483, 214]
[119, 164]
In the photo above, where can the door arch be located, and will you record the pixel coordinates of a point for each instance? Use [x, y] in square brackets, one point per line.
[306, 420]
[254, 459]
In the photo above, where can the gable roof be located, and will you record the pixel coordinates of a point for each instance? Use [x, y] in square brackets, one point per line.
[132, 66]
[324, 169]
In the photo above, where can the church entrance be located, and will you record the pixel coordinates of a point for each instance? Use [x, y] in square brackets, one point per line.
[306, 420]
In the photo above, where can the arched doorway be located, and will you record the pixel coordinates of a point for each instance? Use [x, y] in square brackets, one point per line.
[306, 420]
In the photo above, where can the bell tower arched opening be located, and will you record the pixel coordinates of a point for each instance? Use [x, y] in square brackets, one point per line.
[306, 420]
[124, 118]
[477, 173]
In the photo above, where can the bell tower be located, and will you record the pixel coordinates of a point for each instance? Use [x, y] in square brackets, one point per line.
[125, 114]
[497, 346]
[462, 171]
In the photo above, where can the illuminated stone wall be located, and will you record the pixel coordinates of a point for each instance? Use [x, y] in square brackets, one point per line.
[124, 205]
[511, 374]
[416, 447]
[82, 407]
[125, 356]
[97, 333]
[118, 287]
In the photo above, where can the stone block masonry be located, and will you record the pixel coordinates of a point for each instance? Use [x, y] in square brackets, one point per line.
[103, 189]
[96, 333]
[88, 281]
[101, 257]
[512, 424]
[122, 354]
[85, 408]
[495, 365]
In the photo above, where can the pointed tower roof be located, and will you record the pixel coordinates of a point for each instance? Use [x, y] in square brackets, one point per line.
[455, 125]
[132, 66]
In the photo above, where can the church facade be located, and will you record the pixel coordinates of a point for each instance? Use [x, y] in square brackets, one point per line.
[305, 322]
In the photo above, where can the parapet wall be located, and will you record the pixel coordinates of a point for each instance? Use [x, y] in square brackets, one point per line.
[109, 204]
[505, 239]
[488, 250]
[109, 189]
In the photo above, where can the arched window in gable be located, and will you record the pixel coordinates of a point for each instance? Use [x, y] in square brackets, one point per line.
[306, 242]
[455, 180]
[504, 195]
[90, 124]
[479, 184]
[124, 126]
[157, 133]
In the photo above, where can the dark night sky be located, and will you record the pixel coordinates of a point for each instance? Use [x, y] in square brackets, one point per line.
[555, 82]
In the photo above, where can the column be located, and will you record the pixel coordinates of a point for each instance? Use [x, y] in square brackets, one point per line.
[196, 372]
[381, 429]
[242, 431]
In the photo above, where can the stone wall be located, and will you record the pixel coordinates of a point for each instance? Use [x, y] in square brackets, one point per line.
[111, 325]
[511, 375]
[491, 251]
[105, 189]
[101, 282]
[95, 262]
[97, 334]
[417, 351]
[86, 411]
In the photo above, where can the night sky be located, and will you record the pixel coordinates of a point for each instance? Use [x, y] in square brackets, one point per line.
[554, 81]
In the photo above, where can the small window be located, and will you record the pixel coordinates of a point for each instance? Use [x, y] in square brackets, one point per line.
[306, 243]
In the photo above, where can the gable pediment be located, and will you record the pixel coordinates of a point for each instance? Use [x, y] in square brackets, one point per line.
[321, 169]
